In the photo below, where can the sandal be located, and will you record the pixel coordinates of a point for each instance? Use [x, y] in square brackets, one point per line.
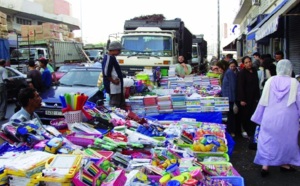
[290, 169]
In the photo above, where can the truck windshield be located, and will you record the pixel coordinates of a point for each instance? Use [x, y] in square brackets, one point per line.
[158, 46]
[22, 53]
[195, 52]
[93, 53]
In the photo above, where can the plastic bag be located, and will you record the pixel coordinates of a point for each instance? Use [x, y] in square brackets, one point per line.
[235, 109]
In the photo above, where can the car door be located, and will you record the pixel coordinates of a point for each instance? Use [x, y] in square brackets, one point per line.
[17, 82]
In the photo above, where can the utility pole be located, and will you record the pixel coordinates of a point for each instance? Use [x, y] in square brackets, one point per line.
[219, 42]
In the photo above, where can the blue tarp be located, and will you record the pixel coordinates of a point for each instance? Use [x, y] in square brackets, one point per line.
[213, 117]
[4, 49]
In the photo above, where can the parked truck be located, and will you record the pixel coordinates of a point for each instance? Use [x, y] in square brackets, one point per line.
[4, 49]
[199, 54]
[94, 51]
[148, 44]
[58, 52]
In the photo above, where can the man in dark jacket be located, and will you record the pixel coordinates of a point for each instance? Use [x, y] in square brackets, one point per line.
[112, 76]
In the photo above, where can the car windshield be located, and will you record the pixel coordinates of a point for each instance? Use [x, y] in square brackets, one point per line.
[66, 68]
[84, 78]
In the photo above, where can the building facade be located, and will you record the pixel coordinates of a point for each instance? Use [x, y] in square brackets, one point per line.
[36, 12]
[268, 26]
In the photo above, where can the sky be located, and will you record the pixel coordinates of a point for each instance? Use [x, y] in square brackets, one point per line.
[100, 18]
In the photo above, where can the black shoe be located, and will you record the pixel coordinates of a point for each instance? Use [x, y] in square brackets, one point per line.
[264, 173]
[4, 119]
[290, 169]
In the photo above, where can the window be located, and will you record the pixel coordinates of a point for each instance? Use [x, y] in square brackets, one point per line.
[22, 21]
[39, 23]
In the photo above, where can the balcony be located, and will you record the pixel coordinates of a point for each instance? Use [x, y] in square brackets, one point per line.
[244, 8]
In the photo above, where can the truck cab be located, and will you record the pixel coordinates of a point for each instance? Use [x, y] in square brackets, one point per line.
[148, 44]
[21, 56]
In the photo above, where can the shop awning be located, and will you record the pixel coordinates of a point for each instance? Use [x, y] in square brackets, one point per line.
[231, 46]
[273, 26]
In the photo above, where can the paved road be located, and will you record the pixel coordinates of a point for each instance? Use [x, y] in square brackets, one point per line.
[242, 160]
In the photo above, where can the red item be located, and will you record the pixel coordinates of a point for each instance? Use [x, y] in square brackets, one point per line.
[117, 136]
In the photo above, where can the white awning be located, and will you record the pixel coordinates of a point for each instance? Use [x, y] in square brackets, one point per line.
[271, 25]
[267, 29]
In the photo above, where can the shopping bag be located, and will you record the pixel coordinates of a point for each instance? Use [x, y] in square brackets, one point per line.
[257, 129]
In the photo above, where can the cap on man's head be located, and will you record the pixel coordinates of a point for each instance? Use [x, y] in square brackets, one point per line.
[115, 45]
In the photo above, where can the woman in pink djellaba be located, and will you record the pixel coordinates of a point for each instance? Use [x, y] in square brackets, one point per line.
[278, 114]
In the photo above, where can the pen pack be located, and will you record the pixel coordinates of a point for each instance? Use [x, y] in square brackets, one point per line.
[121, 160]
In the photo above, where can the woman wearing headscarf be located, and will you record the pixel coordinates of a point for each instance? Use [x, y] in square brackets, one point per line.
[248, 95]
[229, 90]
[278, 116]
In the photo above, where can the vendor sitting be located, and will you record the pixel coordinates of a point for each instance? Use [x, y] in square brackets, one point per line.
[182, 69]
[30, 100]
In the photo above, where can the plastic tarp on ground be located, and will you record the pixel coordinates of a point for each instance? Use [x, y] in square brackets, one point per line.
[212, 117]
[4, 49]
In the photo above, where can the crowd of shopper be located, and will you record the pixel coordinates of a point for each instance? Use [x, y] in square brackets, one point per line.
[264, 106]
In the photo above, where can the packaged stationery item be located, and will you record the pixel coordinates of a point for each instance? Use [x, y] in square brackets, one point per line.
[115, 178]
[28, 164]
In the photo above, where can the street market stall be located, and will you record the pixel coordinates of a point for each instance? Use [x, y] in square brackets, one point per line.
[170, 137]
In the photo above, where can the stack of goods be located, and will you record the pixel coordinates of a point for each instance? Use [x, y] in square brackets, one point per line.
[221, 104]
[137, 105]
[178, 102]
[150, 104]
[46, 31]
[214, 81]
[204, 81]
[189, 81]
[164, 104]
[171, 71]
[3, 26]
[164, 82]
[197, 80]
[193, 104]
[173, 82]
[207, 104]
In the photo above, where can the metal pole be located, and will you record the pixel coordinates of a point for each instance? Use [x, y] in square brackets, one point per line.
[219, 42]
[81, 30]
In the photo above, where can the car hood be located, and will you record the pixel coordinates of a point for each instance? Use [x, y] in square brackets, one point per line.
[52, 94]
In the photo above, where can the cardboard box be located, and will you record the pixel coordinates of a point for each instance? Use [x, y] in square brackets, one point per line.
[39, 37]
[31, 30]
[24, 30]
[3, 28]
[71, 35]
[3, 21]
[78, 39]
[49, 26]
[65, 33]
[3, 15]
[49, 35]
[38, 29]
[32, 38]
